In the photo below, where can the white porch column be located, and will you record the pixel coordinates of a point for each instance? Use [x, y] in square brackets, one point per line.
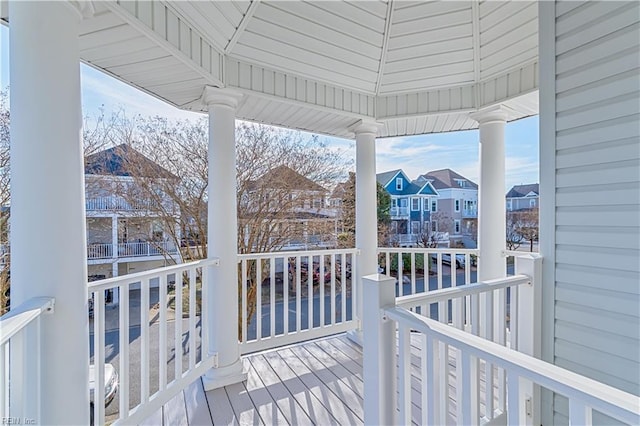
[48, 230]
[366, 212]
[491, 193]
[222, 237]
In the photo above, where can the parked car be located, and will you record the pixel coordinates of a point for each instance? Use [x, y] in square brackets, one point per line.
[446, 259]
[111, 384]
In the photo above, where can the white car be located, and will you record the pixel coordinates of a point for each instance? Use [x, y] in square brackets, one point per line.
[446, 259]
[110, 385]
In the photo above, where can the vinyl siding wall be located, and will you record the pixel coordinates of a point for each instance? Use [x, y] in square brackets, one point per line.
[594, 260]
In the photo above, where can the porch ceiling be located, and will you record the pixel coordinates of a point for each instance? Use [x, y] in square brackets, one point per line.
[417, 67]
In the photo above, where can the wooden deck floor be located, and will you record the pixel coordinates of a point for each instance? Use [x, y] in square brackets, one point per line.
[312, 383]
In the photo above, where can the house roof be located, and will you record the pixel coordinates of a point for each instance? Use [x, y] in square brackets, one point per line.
[123, 160]
[415, 67]
[284, 177]
[385, 177]
[519, 191]
[447, 178]
[339, 190]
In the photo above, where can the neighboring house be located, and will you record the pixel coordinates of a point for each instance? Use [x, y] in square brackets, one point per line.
[335, 202]
[125, 236]
[291, 210]
[456, 209]
[410, 206]
[523, 197]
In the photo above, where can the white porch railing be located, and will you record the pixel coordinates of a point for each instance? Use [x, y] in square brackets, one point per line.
[177, 338]
[115, 203]
[399, 211]
[493, 382]
[289, 297]
[20, 337]
[146, 248]
[426, 269]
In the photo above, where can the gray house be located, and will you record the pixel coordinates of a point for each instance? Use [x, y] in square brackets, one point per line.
[456, 209]
[523, 197]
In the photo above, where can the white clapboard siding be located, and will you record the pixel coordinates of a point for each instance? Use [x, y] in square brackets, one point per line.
[594, 96]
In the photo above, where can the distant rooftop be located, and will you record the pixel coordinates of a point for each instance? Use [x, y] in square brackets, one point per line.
[123, 160]
[519, 191]
[447, 178]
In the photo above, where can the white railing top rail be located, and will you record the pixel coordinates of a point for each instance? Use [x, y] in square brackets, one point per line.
[21, 316]
[449, 293]
[517, 253]
[429, 250]
[600, 397]
[109, 283]
[294, 253]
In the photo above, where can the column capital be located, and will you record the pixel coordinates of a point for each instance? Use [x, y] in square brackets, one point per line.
[365, 126]
[491, 114]
[84, 8]
[218, 96]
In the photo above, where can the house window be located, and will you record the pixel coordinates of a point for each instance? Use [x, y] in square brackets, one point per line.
[399, 184]
[457, 205]
[403, 202]
[434, 226]
[415, 227]
[434, 206]
[532, 203]
[456, 226]
[509, 205]
[394, 202]
[415, 204]
[425, 204]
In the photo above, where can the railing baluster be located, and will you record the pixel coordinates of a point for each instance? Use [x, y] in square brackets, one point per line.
[285, 290]
[470, 390]
[443, 382]
[4, 381]
[343, 287]
[123, 389]
[321, 285]
[428, 380]
[310, 290]
[404, 374]
[298, 273]
[513, 318]
[177, 337]
[272, 296]
[258, 263]
[333, 289]
[579, 413]
[243, 280]
[204, 314]
[413, 273]
[162, 359]
[192, 318]
[400, 272]
[513, 399]
[144, 341]
[98, 356]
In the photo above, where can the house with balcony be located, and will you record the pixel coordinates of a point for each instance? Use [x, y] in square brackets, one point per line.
[284, 210]
[456, 208]
[410, 207]
[553, 340]
[126, 228]
[523, 197]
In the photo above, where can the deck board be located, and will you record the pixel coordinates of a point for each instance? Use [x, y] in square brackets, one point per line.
[313, 383]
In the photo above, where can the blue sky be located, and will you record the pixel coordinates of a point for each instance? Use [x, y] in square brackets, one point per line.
[415, 154]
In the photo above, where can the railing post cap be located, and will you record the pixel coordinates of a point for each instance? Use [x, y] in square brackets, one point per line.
[378, 278]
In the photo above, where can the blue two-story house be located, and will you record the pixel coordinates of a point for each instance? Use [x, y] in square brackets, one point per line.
[410, 206]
